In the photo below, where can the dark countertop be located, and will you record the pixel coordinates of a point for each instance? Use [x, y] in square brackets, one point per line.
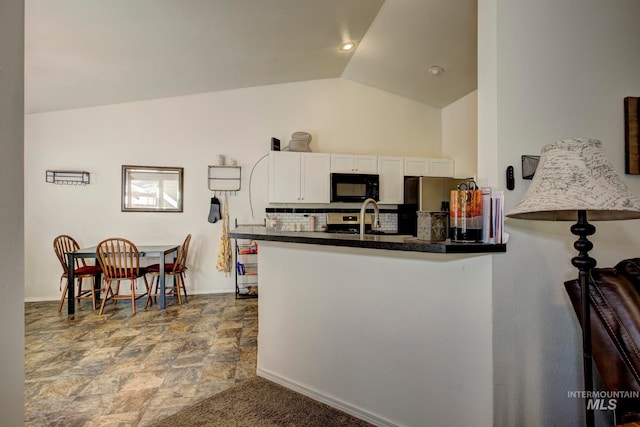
[388, 242]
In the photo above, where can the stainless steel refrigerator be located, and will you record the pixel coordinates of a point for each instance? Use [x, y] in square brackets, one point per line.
[424, 194]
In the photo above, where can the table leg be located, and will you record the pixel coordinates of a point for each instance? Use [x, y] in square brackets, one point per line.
[71, 294]
[97, 282]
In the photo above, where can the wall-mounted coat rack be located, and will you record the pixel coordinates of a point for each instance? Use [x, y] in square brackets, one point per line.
[67, 177]
[225, 179]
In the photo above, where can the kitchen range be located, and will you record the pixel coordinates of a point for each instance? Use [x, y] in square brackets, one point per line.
[348, 223]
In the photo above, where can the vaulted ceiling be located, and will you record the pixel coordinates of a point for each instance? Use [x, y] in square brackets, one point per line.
[89, 53]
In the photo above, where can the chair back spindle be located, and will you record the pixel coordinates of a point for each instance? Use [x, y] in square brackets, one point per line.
[119, 259]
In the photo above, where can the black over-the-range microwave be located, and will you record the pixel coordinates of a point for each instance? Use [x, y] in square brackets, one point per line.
[354, 187]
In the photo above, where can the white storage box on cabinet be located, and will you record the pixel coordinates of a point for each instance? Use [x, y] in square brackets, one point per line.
[299, 177]
[390, 170]
[354, 163]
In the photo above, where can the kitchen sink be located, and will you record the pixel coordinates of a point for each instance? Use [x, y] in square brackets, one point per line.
[378, 232]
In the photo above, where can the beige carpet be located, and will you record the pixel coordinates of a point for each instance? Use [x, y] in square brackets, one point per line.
[262, 403]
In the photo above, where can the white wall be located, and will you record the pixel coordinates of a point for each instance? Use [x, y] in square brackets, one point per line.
[11, 212]
[189, 131]
[549, 70]
[460, 134]
[397, 338]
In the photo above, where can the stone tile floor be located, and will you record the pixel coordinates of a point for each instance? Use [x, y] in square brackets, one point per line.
[132, 370]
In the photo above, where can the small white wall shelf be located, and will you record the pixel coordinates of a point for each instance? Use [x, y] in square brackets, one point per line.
[225, 178]
[67, 177]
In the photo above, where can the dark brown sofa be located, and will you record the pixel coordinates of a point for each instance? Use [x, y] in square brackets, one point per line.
[615, 324]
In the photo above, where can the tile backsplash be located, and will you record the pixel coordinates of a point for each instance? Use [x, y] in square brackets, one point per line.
[300, 221]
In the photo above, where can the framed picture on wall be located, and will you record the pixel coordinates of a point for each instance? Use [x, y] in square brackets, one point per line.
[151, 189]
[631, 136]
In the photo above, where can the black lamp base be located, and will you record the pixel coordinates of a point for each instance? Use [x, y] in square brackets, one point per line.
[584, 263]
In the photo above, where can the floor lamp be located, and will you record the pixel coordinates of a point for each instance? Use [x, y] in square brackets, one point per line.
[574, 182]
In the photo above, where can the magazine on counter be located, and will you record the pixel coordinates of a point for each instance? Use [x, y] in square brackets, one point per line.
[493, 216]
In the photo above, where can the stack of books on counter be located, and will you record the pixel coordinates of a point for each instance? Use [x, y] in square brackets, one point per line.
[493, 216]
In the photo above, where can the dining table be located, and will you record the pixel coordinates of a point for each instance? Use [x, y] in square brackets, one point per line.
[147, 251]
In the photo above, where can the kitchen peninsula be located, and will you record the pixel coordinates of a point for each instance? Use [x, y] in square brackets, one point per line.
[388, 328]
[389, 241]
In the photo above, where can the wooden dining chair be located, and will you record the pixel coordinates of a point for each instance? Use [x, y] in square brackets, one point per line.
[120, 261]
[177, 270]
[62, 245]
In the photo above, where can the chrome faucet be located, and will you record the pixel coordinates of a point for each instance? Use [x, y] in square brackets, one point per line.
[376, 217]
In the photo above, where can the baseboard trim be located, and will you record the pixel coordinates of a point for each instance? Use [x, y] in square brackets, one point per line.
[334, 403]
[189, 291]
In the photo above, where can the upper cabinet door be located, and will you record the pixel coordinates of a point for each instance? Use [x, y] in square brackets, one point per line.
[342, 163]
[391, 174]
[284, 177]
[366, 164]
[314, 178]
[299, 177]
[416, 166]
[441, 167]
[354, 163]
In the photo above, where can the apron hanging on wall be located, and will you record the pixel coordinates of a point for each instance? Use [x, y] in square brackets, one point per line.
[224, 255]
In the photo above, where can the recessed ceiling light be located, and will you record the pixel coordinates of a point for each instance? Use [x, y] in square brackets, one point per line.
[347, 46]
[435, 70]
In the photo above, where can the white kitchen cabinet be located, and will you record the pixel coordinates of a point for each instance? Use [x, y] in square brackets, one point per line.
[299, 177]
[419, 166]
[441, 167]
[354, 163]
[391, 172]
[284, 177]
[315, 178]
[416, 166]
